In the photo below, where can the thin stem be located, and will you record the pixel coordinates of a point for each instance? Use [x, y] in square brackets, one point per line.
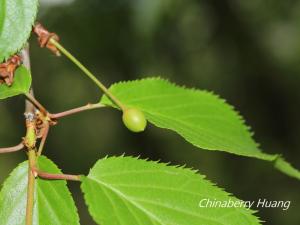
[44, 137]
[12, 149]
[52, 176]
[29, 109]
[76, 110]
[88, 73]
[36, 103]
[30, 187]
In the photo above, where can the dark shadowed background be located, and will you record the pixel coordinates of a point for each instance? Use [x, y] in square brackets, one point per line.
[246, 51]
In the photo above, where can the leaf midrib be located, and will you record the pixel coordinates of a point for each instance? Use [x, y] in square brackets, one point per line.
[232, 141]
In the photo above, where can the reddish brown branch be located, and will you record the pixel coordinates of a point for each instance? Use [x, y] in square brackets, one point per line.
[44, 137]
[12, 149]
[36, 103]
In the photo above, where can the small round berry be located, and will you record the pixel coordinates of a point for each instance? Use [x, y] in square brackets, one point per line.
[134, 120]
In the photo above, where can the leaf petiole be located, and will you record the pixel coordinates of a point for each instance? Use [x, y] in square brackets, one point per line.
[76, 110]
[12, 149]
[53, 176]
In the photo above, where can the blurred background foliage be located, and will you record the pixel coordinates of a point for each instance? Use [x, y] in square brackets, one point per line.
[246, 51]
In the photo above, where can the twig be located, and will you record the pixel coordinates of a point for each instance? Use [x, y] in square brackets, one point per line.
[76, 110]
[44, 137]
[12, 149]
[30, 187]
[36, 103]
[53, 176]
[29, 110]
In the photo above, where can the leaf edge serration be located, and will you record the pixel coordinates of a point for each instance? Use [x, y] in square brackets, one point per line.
[167, 165]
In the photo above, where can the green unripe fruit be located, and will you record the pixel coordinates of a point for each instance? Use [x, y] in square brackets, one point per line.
[134, 120]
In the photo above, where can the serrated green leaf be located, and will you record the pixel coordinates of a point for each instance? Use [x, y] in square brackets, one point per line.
[202, 118]
[21, 84]
[130, 191]
[53, 202]
[16, 19]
